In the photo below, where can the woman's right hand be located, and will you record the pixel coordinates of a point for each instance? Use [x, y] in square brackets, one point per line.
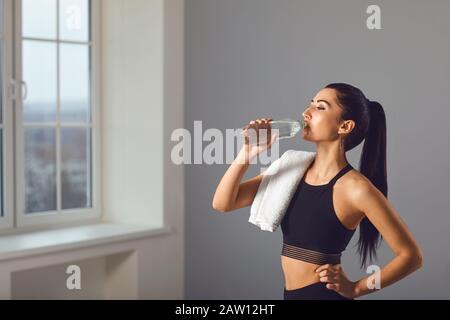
[251, 150]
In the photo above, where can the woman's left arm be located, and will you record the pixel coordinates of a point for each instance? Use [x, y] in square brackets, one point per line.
[408, 255]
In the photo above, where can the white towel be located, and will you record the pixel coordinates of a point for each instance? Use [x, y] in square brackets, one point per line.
[278, 185]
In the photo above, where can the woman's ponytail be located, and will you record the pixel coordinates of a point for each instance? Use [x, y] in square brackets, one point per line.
[373, 166]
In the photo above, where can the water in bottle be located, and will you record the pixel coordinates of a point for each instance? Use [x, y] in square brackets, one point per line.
[287, 128]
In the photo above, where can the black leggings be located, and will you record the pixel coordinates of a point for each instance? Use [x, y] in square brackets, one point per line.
[315, 291]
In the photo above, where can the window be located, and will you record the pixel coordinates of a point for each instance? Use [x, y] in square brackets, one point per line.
[55, 106]
[6, 119]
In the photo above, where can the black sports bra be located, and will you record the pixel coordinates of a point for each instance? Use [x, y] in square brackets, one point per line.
[311, 229]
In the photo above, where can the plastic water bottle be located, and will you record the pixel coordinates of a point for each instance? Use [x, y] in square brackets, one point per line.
[287, 128]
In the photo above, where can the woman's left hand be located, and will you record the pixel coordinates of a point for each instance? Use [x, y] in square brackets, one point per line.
[337, 280]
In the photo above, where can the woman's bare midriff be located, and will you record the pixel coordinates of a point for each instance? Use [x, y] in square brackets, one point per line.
[297, 273]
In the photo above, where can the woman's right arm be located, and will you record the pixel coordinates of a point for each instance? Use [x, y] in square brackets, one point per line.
[231, 194]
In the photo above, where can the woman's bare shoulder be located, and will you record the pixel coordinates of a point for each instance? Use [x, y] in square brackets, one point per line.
[357, 183]
[353, 177]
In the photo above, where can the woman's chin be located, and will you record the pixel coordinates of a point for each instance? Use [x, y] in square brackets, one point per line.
[306, 135]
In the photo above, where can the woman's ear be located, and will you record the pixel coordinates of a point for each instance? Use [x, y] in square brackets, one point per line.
[347, 127]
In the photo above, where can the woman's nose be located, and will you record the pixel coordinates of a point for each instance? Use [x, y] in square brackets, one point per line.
[306, 115]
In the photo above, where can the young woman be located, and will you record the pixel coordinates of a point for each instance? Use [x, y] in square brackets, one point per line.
[332, 200]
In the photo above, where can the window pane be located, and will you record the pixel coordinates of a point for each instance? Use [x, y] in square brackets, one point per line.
[39, 72]
[74, 20]
[74, 69]
[75, 168]
[40, 169]
[39, 18]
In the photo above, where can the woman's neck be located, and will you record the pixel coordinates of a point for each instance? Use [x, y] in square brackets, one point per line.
[329, 160]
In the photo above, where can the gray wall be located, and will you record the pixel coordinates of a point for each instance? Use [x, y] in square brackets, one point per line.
[252, 58]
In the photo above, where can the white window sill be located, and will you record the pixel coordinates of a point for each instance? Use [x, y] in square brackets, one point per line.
[49, 241]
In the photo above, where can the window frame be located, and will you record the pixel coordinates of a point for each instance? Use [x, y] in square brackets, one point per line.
[7, 220]
[73, 216]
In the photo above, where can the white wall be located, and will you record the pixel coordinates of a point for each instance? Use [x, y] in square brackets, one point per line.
[132, 60]
[36, 283]
[142, 103]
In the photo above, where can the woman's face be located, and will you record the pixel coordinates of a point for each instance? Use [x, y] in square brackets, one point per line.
[323, 117]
